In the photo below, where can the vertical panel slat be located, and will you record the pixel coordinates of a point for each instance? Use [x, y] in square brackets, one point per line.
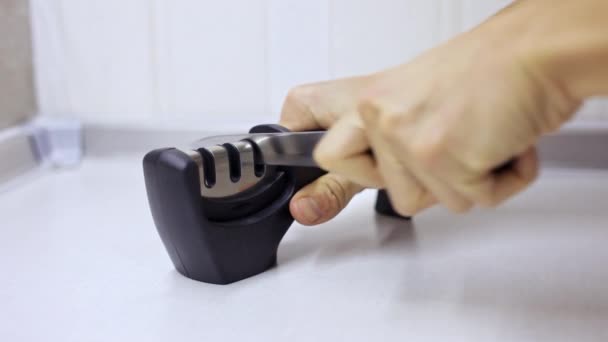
[50, 64]
[450, 19]
[297, 45]
[214, 60]
[106, 49]
[161, 54]
[366, 36]
[226, 60]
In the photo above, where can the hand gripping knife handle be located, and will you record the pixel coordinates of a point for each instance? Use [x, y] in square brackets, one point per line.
[221, 240]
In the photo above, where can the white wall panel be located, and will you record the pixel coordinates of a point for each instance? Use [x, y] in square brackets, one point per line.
[297, 45]
[209, 61]
[456, 16]
[474, 11]
[449, 19]
[366, 36]
[98, 55]
[50, 63]
[214, 57]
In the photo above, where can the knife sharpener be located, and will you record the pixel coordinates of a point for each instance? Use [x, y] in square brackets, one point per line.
[213, 231]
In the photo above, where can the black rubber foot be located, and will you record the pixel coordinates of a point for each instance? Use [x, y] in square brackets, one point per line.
[384, 206]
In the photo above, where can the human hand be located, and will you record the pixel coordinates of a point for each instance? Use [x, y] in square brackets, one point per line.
[458, 125]
[315, 107]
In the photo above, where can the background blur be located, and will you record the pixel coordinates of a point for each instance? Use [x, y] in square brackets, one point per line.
[194, 62]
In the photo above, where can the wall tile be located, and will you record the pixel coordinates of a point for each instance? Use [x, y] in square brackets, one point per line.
[51, 67]
[366, 36]
[449, 21]
[102, 50]
[213, 58]
[207, 61]
[297, 46]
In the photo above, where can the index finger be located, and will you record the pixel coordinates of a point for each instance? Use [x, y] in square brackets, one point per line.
[320, 105]
[345, 150]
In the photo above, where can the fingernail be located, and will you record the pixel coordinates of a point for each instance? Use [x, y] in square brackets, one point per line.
[308, 209]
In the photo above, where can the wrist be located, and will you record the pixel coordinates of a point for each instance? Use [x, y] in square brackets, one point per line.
[534, 50]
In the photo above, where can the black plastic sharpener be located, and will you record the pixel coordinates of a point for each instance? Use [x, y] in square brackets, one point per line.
[221, 240]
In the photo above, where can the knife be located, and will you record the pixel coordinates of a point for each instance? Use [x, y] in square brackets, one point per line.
[276, 149]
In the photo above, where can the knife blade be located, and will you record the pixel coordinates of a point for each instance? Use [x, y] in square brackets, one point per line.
[285, 148]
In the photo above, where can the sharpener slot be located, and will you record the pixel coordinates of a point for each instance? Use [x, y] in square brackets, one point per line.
[208, 167]
[234, 162]
[258, 160]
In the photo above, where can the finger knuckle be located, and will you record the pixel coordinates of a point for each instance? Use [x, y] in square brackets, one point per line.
[427, 151]
[409, 203]
[405, 209]
[368, 109]
[462, 207]
[476, 162]
[300, 94]
[298, 100]
[337, 192]
[296, 107]
[487, 200]
[478, 191]
[324, 157]
[389, 125]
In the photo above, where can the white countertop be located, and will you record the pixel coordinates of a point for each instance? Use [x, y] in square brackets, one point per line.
[81, 261]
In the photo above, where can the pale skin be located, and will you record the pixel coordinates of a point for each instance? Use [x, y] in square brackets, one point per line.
[442, 127]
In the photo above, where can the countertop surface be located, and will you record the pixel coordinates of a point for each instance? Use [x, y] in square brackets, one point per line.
[81, 261]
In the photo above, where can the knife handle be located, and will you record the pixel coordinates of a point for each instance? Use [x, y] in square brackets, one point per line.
[383, 204]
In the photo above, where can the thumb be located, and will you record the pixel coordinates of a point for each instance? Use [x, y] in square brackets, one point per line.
[323, 199]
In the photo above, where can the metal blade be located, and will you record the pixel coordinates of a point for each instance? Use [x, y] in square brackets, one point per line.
[292, 149]
[219, 140]
[288, 149]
